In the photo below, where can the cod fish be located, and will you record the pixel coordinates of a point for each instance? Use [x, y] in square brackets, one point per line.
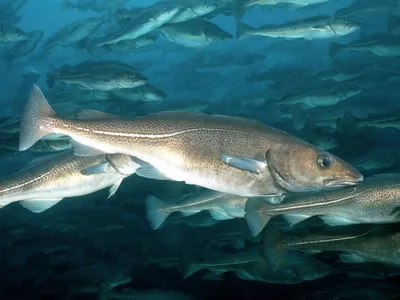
[251, 264]
[385, 47]
[376, 200]
[227, 154]
[73, 32]
[320, 27]
[189, 10]
[288, 4]
[323, 97]
[24, 47]
[10, 34]
[369, 245]
[146, 22]
[100, 75]
[221, 207]
[47, 180]
[146, 93]
[194, 33]
[41, 146]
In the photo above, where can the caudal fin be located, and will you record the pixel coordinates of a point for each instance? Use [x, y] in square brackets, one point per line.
[299, 117]
[156, 212]
[334, 49]
[256, 215]
[67, 5]
[393, 24]
[347, 122]
[274, 255]
[243, 30]
[238, 9]
[36, 113]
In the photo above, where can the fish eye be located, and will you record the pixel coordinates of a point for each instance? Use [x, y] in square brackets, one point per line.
[131, 75]
[324, 161]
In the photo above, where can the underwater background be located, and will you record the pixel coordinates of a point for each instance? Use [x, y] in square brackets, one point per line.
[324, 71]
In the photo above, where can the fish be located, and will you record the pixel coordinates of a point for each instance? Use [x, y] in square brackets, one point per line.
[146, 22]
[146, 93]
[228, 154]
[382, 46]
[23, 48]
[363, 245]
[196, 33]
[190, 10]
[221, 206]
[320, 27]
[251, 264]
[10, 34]
[47, 180]
[322, 97]
[73, 33]
[288, 4]
[41, 146]
[376, 200]
[100, 75]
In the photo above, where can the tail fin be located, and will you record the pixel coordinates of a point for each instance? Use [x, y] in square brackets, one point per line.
[299, 118]
[9, 61]
[275, 256]
[393, 23]
[36, 112]
[188, 267]
[334, 49]
[238, 9]
[66, 4]
[243, 30]
[347, 122]
[256, 215]
[104, 293]
[155, 211]
[91, 45]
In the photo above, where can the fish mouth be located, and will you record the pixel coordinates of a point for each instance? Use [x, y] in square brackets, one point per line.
[140, 82]
[343, 182]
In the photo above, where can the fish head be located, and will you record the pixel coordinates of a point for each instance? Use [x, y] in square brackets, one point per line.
[14, 34]
[164, 13]
[151, 93]
[202, 8]
[352, 90]
[297, 166]
[218, 35]
[130, 79]
[344, 26]
[311, 270]
[325, 142]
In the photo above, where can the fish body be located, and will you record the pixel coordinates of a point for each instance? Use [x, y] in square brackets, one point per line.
[146, 22]
[194, 33]
[47, 180]
[374, 201]
[384, 47]
[146, 93]
[320, 27]
[221, 206]
[368, 246]
[10, 34]
[227, 154]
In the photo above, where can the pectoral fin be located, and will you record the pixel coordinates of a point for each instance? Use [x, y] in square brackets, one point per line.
[352, 258]
[39, 205]
[244, 163]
